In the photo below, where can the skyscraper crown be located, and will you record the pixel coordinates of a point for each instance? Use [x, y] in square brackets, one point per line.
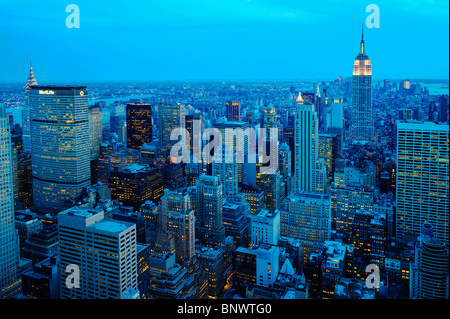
[31, 79]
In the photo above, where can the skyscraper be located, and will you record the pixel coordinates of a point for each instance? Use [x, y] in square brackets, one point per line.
[209, 211]
[134, 184]
[139, 125]
[26, 112]
[95, 131]
[422, 189]
[9, 240]
[177, 216]
[443, 108]
[170, 117]
[103, 249]
[307, 216]
[233, 109]
[230, 168]
[59, 119]
[270, 121]
[362, 126]
[429, 277]
[306, 146]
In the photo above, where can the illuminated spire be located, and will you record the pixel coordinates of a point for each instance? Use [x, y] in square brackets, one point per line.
[31, 79]
[300, 98]
[362, 40]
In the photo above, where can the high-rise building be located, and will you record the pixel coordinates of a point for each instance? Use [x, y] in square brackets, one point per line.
[429, 274]
[170, 117]
[9, 240]
[422, 189]
[101, 251]
[59, 118]
[233, 109]
[308, 168]
[230, 168]
[95, 131]
[443, 108]
[362, 127]
[26, 112]
[337, 114]
[217, 263]
[265, 228]
[267, 264]
[345, 201]
[333, 267]
[284, 160]
[139, 125]
[274, 190]
[328, 151]
[235, 212]
[134, 184]
[270, 121]
[209, 211]
[307, 216]
[177, 216]
[42, 281]
[254, 196]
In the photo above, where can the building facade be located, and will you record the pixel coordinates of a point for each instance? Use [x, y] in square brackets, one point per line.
[59, 120]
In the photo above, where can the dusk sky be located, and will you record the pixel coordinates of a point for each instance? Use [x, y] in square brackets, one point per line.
[221, 40]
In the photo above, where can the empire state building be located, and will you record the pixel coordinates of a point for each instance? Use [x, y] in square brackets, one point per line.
[362, 118]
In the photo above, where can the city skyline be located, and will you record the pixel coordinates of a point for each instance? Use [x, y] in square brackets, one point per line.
[239, 40]
[213, 190]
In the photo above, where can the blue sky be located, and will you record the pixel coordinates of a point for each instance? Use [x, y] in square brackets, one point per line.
[221, 40]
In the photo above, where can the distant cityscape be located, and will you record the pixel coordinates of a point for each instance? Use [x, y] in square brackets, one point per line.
[93, 204]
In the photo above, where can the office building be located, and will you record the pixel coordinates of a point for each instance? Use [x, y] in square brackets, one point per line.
[26, 137]
[235, 212]
[210, 229]
[422, 189]
[134, 184]
[104, 250]
[429, 274]
[264, 228]
[168, 279]
[307, 216]
[274, 190]
[254, 196]
[235, 147]
[362, 118]
[333, 267]
[233, 111]
[59, 121]
[95, 131]
[42, 281]
[42, 245]
[245, 266]
[443, 108]
[9, 240]
[170, 117]
[177, 216]
[218, 265]
[307, 167]
[139, 125]
[267, 264]
[328, 151]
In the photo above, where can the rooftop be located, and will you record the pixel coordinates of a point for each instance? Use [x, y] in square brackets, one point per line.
[111, 226]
